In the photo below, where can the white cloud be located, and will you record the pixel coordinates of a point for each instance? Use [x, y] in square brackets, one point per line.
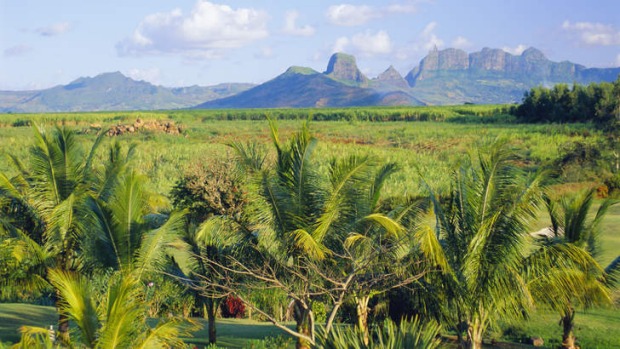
[290, 25]
[152, 75]
[341, 44]
[207, 31]
[351, 15]
[617, 64]
[461, 42]
[424, 42]
[372, 44]
[54, 29]
[17, 50]
[597, 34]
[429, 39]
[515, 50]
[365, 43]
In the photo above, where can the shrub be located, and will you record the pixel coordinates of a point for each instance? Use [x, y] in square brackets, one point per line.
[211, 188]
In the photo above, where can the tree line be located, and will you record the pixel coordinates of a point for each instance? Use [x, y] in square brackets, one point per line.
[598, 103]
[276, 221]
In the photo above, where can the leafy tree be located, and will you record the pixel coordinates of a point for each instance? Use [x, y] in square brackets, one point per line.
[298, 229]
[212, 189]
[570, 223]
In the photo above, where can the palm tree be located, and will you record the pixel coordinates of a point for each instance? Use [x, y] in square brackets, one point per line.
[115, 319]
[79, 216]
[311, 229]
[479, 244]
[53, 194]
[570, 223]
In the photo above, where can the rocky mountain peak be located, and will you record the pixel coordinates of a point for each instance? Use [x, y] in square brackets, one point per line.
[392, 77]
[342, 66]
[389, 74]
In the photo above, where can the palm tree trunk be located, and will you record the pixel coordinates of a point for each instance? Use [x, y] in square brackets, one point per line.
[305, 325]
[362, 316]
[211, 313]
[63, 329]
[474, 336]
[567, 322]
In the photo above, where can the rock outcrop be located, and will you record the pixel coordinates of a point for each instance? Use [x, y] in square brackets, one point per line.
[531, 67]
[343, 67]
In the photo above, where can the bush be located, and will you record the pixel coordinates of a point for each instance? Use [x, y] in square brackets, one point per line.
[209, 189]
[232, 307]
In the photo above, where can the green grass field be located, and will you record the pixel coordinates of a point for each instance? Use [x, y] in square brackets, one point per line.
[423, 149]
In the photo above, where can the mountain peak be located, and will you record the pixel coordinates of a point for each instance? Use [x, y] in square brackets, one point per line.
[533, 54]
[300, 70]
[392, 77]
[342, 66]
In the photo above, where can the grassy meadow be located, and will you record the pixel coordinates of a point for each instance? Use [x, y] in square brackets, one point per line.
[424, 150]
[426, 143]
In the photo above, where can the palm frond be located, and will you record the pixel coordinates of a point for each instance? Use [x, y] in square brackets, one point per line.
[77, 303]
[612, 272]
[153, 250]
[309, 245]
[166, 334]
[124, 314]
[431, 247]
[389, 225]
[34, 338]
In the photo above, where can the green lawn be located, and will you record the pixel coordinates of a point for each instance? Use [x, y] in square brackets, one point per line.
[234, 333]
[13, 315]
[598, 328]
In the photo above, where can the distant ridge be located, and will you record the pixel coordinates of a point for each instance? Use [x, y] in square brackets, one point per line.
[452, 76]
[112, 91]
[449, 76]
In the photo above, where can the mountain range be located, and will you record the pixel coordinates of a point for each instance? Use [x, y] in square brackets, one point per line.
[112, 91]
[450, 76]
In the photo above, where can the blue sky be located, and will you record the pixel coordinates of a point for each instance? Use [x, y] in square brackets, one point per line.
[185, 42]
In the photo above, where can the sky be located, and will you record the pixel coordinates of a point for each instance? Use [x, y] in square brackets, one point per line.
[44, 43]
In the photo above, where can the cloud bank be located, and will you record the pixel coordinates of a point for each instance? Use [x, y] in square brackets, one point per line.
[208, 31]
[595, 34]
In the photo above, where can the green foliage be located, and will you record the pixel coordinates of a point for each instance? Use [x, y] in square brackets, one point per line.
[115, 320]
[408, 334]
[210, 188]
[278, 342]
